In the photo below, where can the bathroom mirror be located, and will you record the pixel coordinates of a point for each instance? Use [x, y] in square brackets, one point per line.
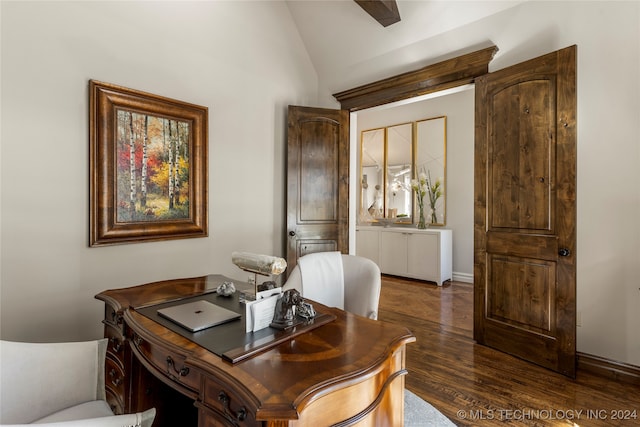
[431, 158]
[398, 200]
[372, 174]
[386, 169]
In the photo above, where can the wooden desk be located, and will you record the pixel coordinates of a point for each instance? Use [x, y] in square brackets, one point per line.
[347, 372]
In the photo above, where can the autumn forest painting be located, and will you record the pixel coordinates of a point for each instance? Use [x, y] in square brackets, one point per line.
[152, 167]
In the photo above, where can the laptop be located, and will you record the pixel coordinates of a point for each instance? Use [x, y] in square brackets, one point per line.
[198, 315]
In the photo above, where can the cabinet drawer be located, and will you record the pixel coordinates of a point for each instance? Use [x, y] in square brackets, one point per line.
[393, 253]
[368, 245]
[115, 402]
[228, 403]
[171, 364]
[114, 378]
[423, 256]
[116, 342]
[112, 317]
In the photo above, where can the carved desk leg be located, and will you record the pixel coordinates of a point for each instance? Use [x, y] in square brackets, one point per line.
[117, 362]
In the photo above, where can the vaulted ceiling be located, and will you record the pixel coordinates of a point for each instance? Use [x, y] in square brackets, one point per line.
[348, 47]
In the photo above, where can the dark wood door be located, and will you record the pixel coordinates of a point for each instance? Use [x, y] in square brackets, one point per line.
[525, 211]
[317, 182]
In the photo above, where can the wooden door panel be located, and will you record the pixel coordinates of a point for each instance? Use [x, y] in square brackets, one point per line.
[309, 246]
[318, 173]
[530, 303]
[539, 347]
[520, 172]
[317, 182]
[523, 245]
[525, 211]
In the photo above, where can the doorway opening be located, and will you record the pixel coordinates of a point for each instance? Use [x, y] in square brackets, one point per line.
[458, 105]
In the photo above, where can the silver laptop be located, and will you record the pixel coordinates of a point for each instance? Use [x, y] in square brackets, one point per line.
[198, 315]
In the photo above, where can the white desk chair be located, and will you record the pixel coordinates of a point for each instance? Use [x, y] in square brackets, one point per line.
[357, 292]
[58, 385]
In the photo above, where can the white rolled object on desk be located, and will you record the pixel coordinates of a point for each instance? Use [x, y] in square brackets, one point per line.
[261, 264]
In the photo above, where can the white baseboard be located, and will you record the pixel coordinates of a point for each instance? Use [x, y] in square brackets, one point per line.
[462, 277]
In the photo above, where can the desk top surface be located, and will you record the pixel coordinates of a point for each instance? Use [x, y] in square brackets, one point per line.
[285, 376]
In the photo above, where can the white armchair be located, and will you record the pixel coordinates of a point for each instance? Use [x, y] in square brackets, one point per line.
[58, 385]
[359, 291]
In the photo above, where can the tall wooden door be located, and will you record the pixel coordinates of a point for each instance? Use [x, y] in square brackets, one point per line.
[317, 182]
[525, 211]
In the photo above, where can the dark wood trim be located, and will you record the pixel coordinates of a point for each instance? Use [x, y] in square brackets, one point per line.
[611, 369]
[384, 11]
[433, 78]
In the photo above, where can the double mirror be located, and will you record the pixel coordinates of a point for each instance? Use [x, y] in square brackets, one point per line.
[390, 158]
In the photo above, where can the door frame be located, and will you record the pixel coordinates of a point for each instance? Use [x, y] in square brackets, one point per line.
[447, 74]
[434, 78]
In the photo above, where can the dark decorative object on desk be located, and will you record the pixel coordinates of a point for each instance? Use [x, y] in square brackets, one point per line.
[289, 306]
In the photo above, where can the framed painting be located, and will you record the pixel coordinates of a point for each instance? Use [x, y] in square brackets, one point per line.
[148, 167]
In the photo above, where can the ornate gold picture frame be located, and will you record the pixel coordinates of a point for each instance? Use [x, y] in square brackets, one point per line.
[148, 167]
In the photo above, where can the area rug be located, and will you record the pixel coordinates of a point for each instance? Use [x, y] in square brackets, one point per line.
[418, 413]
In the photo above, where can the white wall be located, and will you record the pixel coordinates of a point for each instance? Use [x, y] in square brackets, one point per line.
[244, 61]
[459, 109]
[608, 38]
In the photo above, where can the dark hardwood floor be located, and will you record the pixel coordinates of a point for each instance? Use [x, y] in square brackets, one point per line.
[477, 386]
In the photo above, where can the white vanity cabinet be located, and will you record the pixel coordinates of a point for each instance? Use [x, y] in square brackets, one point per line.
[368, 244]
[408, 252]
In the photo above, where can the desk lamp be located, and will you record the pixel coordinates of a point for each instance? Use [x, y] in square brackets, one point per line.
[265, 265]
